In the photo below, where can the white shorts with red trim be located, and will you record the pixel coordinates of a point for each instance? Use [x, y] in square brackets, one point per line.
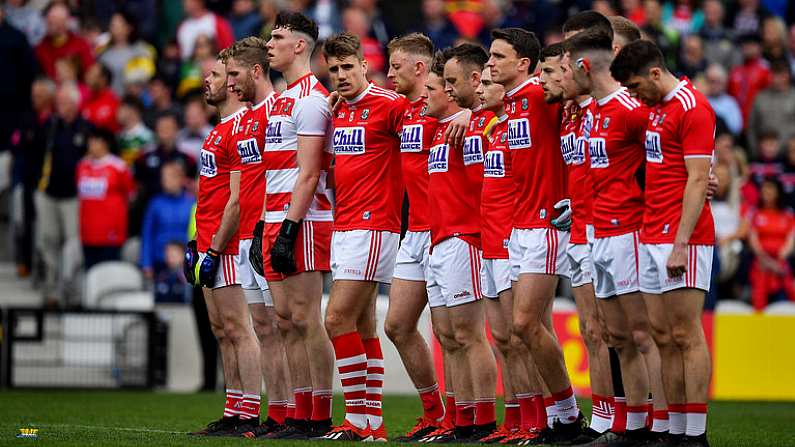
[455, 268]
[412, 264]
[654, 276]
[227, 270]
[495, 277]
[254, 286]
[580, 264]
[364, 255]
[538, 250]
[615, 261]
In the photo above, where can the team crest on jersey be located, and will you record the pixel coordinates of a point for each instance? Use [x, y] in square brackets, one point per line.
[273, 133]
[365, 114]
[209, 168]
[438, 158]
[494, 164]
[217, 140]
[606, 122]
[482, 121]
[424, 111]
[352, 116]
[568, 147]
[525, 104]
[473, 150]
[653, 147]
[341, 115]
[519, 134]
[411, 138]
[598, 153]
[249, 151]
[255, 126]
[348, 140]
[503, 137]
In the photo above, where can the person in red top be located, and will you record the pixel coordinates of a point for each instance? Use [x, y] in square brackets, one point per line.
[247, 70]
[750, 77]
[369, 193]
[409, 59]
[210, 260]
[100, 107]
[537, 250]
[104, 185]
[61, 43]
[772, 241]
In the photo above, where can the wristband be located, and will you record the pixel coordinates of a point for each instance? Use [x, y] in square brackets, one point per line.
[289, 229]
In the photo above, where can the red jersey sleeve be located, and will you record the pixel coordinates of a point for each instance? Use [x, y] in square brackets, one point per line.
[698, 132]
[396, 114]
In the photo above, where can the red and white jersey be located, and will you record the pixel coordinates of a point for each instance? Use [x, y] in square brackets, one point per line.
[538, 168]
[454, 190]
[219, 158]
[682, 126]
[250, 143]
[499, 194]
[103, 190]
[300, 110]
[574, 134]
[415, 144]
[367, 170]
[615, 149]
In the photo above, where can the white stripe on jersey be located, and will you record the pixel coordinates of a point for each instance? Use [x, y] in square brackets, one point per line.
[281, 180]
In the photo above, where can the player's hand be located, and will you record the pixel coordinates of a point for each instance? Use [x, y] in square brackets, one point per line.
[677, 261]
[283, 250]
[208, 269]
[563, 221]
[190, 262]
[454, 135]
[712, 185]
[334, 100]
[255, 253]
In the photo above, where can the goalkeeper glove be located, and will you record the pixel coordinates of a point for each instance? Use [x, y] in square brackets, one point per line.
[283, 250]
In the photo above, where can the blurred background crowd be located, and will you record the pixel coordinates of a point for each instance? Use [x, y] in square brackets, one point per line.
[103, 118]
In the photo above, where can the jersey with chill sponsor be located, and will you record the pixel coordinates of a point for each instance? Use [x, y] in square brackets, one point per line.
[415, 144]
[476, 141]
[300, 110]
[538, 168]
[103, 191]
[574, 133]
[615, 145]
[499, 194]
[682, 126]
[453, 190]
[250, 141]
[219, 158]
[367, 177]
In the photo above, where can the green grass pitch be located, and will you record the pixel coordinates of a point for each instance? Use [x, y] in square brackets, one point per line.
[98, 418]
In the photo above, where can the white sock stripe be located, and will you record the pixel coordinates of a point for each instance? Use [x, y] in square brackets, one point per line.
[229, 391]
[449, 393]
[371, 390]
[349, 361]
[374, 377]
[485, 400]
[375, 363]
[428, 389]
[252, 396]
[322, 393]
[507, 405]
[277, 402]
[352, 375]
[523, 395]
[306, 389]
[354, 388]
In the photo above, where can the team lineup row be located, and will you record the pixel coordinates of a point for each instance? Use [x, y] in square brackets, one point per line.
[585, 159]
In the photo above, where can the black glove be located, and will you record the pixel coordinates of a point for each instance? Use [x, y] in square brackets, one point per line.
[191, 260]
[283, 250]
[255, 253]
[209, 268]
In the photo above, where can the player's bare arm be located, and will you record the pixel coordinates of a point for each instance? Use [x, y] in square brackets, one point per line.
[309, 159]
[231, 218]
[692, 204]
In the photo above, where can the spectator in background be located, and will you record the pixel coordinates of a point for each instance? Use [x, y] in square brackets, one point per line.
[268, 9]
[170, 283]
[748, 17]
[104, 186]
[26, 19]
[633, 10]
[772, 241]
[201, 22]
[191, 137]
[60, 42]
[718, 40]
[724, 105]
[354, 21]
[753, 75]
[244, 19]
[731, 229]
[124, 49]
[788, 176]
[161, 102]
[149, 164]
[692, 62]
[379, 28]
[774, 107]
[102, 104]
[683, 16]
[497, 14]
[166, 218]
[768, 161]
[791, 48]
[191, 76]
[15, 82]
[134, 137]
[169, 64]
[666, 38]
[774, 39]
[435, 24]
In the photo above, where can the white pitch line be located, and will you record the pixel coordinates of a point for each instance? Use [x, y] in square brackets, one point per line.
[96, 427]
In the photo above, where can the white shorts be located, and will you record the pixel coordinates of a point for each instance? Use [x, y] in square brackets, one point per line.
[412, 262]
[254, 286]
[654, 276]
[580, 264]
[538, 250]
[364, 255]
[615, 262]
[455, 268]
[495, 277]
[227, 270]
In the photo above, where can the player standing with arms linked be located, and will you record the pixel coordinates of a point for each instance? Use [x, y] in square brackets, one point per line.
[678, 232]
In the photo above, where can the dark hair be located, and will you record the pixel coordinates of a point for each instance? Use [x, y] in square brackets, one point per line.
[439, 59]
[469, 54]
[636, 58]
[251, 51]
[769, 134]
[106, 136]
[167, 115]
[552, 51]
[295, 21]
[591, 40]
[134, 102]
[106, 73]
[625, 28]
[780, 66]
[524, 42]
[586, 21]
[343, 45]
[415, 43]
[773, 180]
[132, 22]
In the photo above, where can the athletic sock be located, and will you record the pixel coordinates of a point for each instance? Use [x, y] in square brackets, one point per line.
[352, 366]
[432, 406]
[375, 382]
[485, 411]
[290, 413]
[660, 422]
[677, 419]
[636, 416]
[513, 415]
[527, 410]
[303, 403]
[600, 414]
[232, 404]
[321, 405]
[277, 410]
[649, 411]
[619, 415]
[249, 407]
[566, 406]
[696, 419]
[619, 398]
[450, 409]
[542, 419]
[464, 413]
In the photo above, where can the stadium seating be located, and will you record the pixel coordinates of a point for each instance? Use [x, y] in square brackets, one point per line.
[108, 278]
[131, 250]
[733, 307]
[133, 301]
[781, 308]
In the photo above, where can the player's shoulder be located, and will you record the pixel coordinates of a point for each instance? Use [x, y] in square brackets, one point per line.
[382, 93]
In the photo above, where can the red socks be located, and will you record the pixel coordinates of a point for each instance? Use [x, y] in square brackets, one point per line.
[450, 410]
[485, 411]
[432, 405]
[232, 404]
[464, 414]
[303, 403]
[249, 406]
[277, 410]
[528, 410]
[352, 366]
[601, 414]
[513, 415]
[321, 405]
[375, 382]
[620, 415]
